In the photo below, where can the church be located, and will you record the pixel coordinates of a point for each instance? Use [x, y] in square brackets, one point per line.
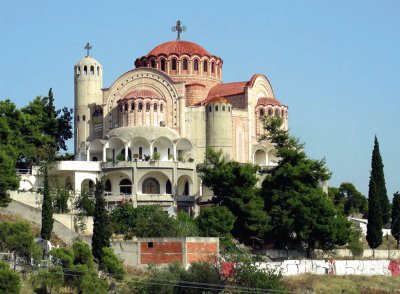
[145, 133]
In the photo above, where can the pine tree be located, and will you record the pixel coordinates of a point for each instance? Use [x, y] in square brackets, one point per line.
[374, 226]
[396, 217]
[101, 223]
[379, 178]
[47, 209]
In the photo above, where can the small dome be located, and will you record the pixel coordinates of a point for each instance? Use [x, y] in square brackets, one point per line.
[179, 47]
[87, 60]
[218, 100]
[268, 101]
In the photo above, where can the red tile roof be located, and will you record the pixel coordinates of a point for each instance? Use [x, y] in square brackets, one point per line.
[268, 101]
[227, 89]
[179, 47]
[141, 94]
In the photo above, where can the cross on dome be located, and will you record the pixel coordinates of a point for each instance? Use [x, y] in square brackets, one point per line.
[179, 29]
[88, 47]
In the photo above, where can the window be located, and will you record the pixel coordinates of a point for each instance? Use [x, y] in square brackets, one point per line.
[276, 112]
[269, 111]
[163, 64]
[212, 67]
[173, 65]
[126, 107]
[153, 63]
[185, 64]
[261, 112]
[77, 118]
[161, 107]
[92, 70]
[148, 106]
[85, 70]
[150, 244]
[186, 191]
[229, 108]
[223, 108]
[107, 187]
[140, 106]
[216, 107]
[125, 187]
[154, 149]
[196, 65]
[168, 187]
[282, 113]
[133, 106]
[155, 107]
[78, 70]
[83, 117]
[205, 67]
[144, 63]
[140, 152]
[209, 108]
[98, 70]
[151, 186]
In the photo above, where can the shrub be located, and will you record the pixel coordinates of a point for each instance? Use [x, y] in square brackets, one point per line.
[10, 281]
[111, 263]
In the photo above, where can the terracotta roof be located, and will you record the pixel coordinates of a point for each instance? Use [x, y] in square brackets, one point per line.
[179, 47]
[227, 89]
[217, 100]
[141, 94]
[268, 101]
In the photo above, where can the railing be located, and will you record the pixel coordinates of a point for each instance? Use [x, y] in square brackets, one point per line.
[23, 171]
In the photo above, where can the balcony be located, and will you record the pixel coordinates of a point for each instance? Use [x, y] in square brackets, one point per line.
[148, 164]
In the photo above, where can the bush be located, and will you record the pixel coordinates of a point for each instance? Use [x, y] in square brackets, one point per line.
[111, 263]
[82, 254]
[201, 272]
[47, 280]
[10, 281]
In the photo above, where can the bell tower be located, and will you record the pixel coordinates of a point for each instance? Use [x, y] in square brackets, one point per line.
[88, 82]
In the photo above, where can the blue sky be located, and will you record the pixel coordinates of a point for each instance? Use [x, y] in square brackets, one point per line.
[334, 63]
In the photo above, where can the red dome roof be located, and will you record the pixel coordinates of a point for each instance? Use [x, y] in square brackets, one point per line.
[179, 47]
[141, 94]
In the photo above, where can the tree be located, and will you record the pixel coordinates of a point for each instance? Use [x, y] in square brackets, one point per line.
[10, 281]
[151, 221]
[82, 254]
[48, 279]
[234, 186]
[396, 218]
[216, 221]
[111, 263]
[374, 226]
[9, 179]
[123, 219]
[101, 223]
[301, 213]
[47, 209]
[17, 238]
[186, 226]
[378, 177]
[348, 199]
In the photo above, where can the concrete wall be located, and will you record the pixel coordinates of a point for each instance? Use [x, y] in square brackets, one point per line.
[336, 267]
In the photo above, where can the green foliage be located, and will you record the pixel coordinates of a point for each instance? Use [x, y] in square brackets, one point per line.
[111, 263]
[123, 219]
[18, 239]
[10, 281]
[396, 217]
[63, 257]
[48, 280]
[186, 226]
[84, 203]
[92, 284]
[101, 223]
[9, 179]
[217, 221]
[378, 177]
[355, 245]
[82, 254]
[156, 156]
[301, 213]
[234, 186]
[47, 209]
[374, 226]
[348, 199]
[60, 199]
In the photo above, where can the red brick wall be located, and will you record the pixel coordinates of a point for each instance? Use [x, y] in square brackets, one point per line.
[200, 251]
[162, 252]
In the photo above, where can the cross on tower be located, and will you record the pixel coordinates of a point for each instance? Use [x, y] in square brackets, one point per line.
[87, 47]
[179, 29]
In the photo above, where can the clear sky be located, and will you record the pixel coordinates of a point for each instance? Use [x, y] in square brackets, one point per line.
[335, 64]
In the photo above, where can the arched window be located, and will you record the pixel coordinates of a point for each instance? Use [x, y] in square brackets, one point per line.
[163, 64]
[186, 191]
[125, 187]
[77, 118]
[261, 112]
[216, 107]
[144, 63]
[196, 65]
[140, 106]
[223, 108]
[94, 158]
[155, 149]
[276, 112]
[205, 66]
[212, 67]
[173, 65]
[107, 187]
[98, 70]
[168, 187]
[140, 152]
[282, 113]
[68, 184]
[92, 70]
[126, 107]
[133, 106]
[153, 63]
[185, 64]
[148, 106]
[155, 107]
[151, 186]
[83, 117]
[209, 108]
[269, 111]
[161, 107]
[229, 109]
[79, 70]
[85, 70]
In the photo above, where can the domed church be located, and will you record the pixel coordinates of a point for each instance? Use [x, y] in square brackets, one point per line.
[145, 133]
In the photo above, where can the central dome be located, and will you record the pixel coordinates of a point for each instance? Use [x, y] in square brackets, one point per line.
[179, 47]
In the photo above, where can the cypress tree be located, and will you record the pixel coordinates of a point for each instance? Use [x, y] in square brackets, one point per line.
[396, 217]
[374, 226]
[379, 178]
[101, 223]
[47, 209]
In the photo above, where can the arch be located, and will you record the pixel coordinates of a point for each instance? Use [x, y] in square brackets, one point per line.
[125, 187]
[168, 187]
[140, 106]
[151, 186]
[107, 186]
[262, 112]
[163, 144]
[68, 184]
[153, 63]
[196, 65]
[139, 147]
[133, 106]
[213, 67]
[173, 64]
[148, 106]
[184, 185]
[272, 158]
[185, 64]
[260, 157]
[205, 66]
[155, 106]
[162, 64]
[98, 70]
[113, 147]
[87, 186]
[92, 70]
[183, 148]
[85, 70]
[160, 176]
